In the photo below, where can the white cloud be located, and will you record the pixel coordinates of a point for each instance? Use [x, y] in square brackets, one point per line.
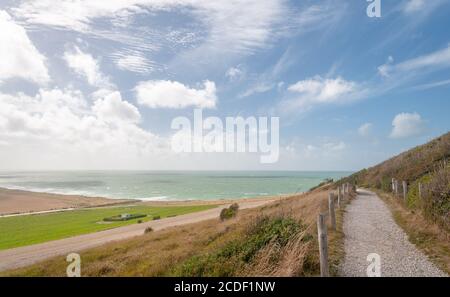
[18, 56]
[258, 88]
[433, 85]
[235, 73]
[87, 66]
[318, 90]
[414, 5]
[330, 146]
[323, 90]
[383, 70]
[420, 9]
[436, 60]
[219, 27]
[247, 23]
[269, 79]
[113, 108]
[134, 62]
[61, 129]
[365, 129]
[407, 125]
[75, 15]
[172, 94]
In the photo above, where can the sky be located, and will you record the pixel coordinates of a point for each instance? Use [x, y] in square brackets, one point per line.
[96, 84]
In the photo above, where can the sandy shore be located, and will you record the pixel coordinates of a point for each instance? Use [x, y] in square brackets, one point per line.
[19, 202]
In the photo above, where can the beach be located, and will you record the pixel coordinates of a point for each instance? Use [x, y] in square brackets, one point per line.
[18, 201]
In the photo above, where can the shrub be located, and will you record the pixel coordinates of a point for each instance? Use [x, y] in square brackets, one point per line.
[230, 212]
[386, 184]
[139, 221]
[437, 196]
[148, 230]
[234, 207]
[279, 230]
[156, 218]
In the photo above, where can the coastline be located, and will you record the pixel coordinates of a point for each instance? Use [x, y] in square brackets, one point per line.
[21, 202]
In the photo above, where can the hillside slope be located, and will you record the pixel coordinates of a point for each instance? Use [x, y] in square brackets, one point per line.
[426, 164]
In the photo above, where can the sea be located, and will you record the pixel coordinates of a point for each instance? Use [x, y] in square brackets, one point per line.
[168, 185]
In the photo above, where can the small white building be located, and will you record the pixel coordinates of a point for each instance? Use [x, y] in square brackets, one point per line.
[125, 216]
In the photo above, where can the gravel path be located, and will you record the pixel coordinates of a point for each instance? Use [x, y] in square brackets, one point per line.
[370, 228]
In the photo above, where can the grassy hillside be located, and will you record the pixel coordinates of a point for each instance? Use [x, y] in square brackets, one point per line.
[428, 165]
[279, 239]
[32, 229]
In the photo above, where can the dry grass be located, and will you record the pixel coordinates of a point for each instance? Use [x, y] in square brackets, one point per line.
[292, 259]
[159, 253]
[336, 249]
[429, 237]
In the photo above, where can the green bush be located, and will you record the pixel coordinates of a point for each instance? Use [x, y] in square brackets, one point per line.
[412, 198]
[436, 197]
[280, 230]
[386, 184]
[234, 207]
[230, 212]
[156, 218]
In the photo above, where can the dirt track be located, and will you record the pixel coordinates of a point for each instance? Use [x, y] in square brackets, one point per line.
[24, 256]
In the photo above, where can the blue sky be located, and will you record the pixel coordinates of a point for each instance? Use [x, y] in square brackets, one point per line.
[96, 84]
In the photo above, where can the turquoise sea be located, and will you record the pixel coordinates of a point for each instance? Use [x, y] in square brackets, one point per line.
[163, 185]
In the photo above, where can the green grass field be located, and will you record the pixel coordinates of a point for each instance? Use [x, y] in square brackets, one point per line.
[32, 229]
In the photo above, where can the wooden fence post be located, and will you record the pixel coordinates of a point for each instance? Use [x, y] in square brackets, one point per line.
[339, 197]
[393, 185]
[405, 190]
[332, 211]
[323, 245]
[396, 187]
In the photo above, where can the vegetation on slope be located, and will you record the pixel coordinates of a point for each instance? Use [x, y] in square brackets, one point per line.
[267, 239]
[426, 164]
